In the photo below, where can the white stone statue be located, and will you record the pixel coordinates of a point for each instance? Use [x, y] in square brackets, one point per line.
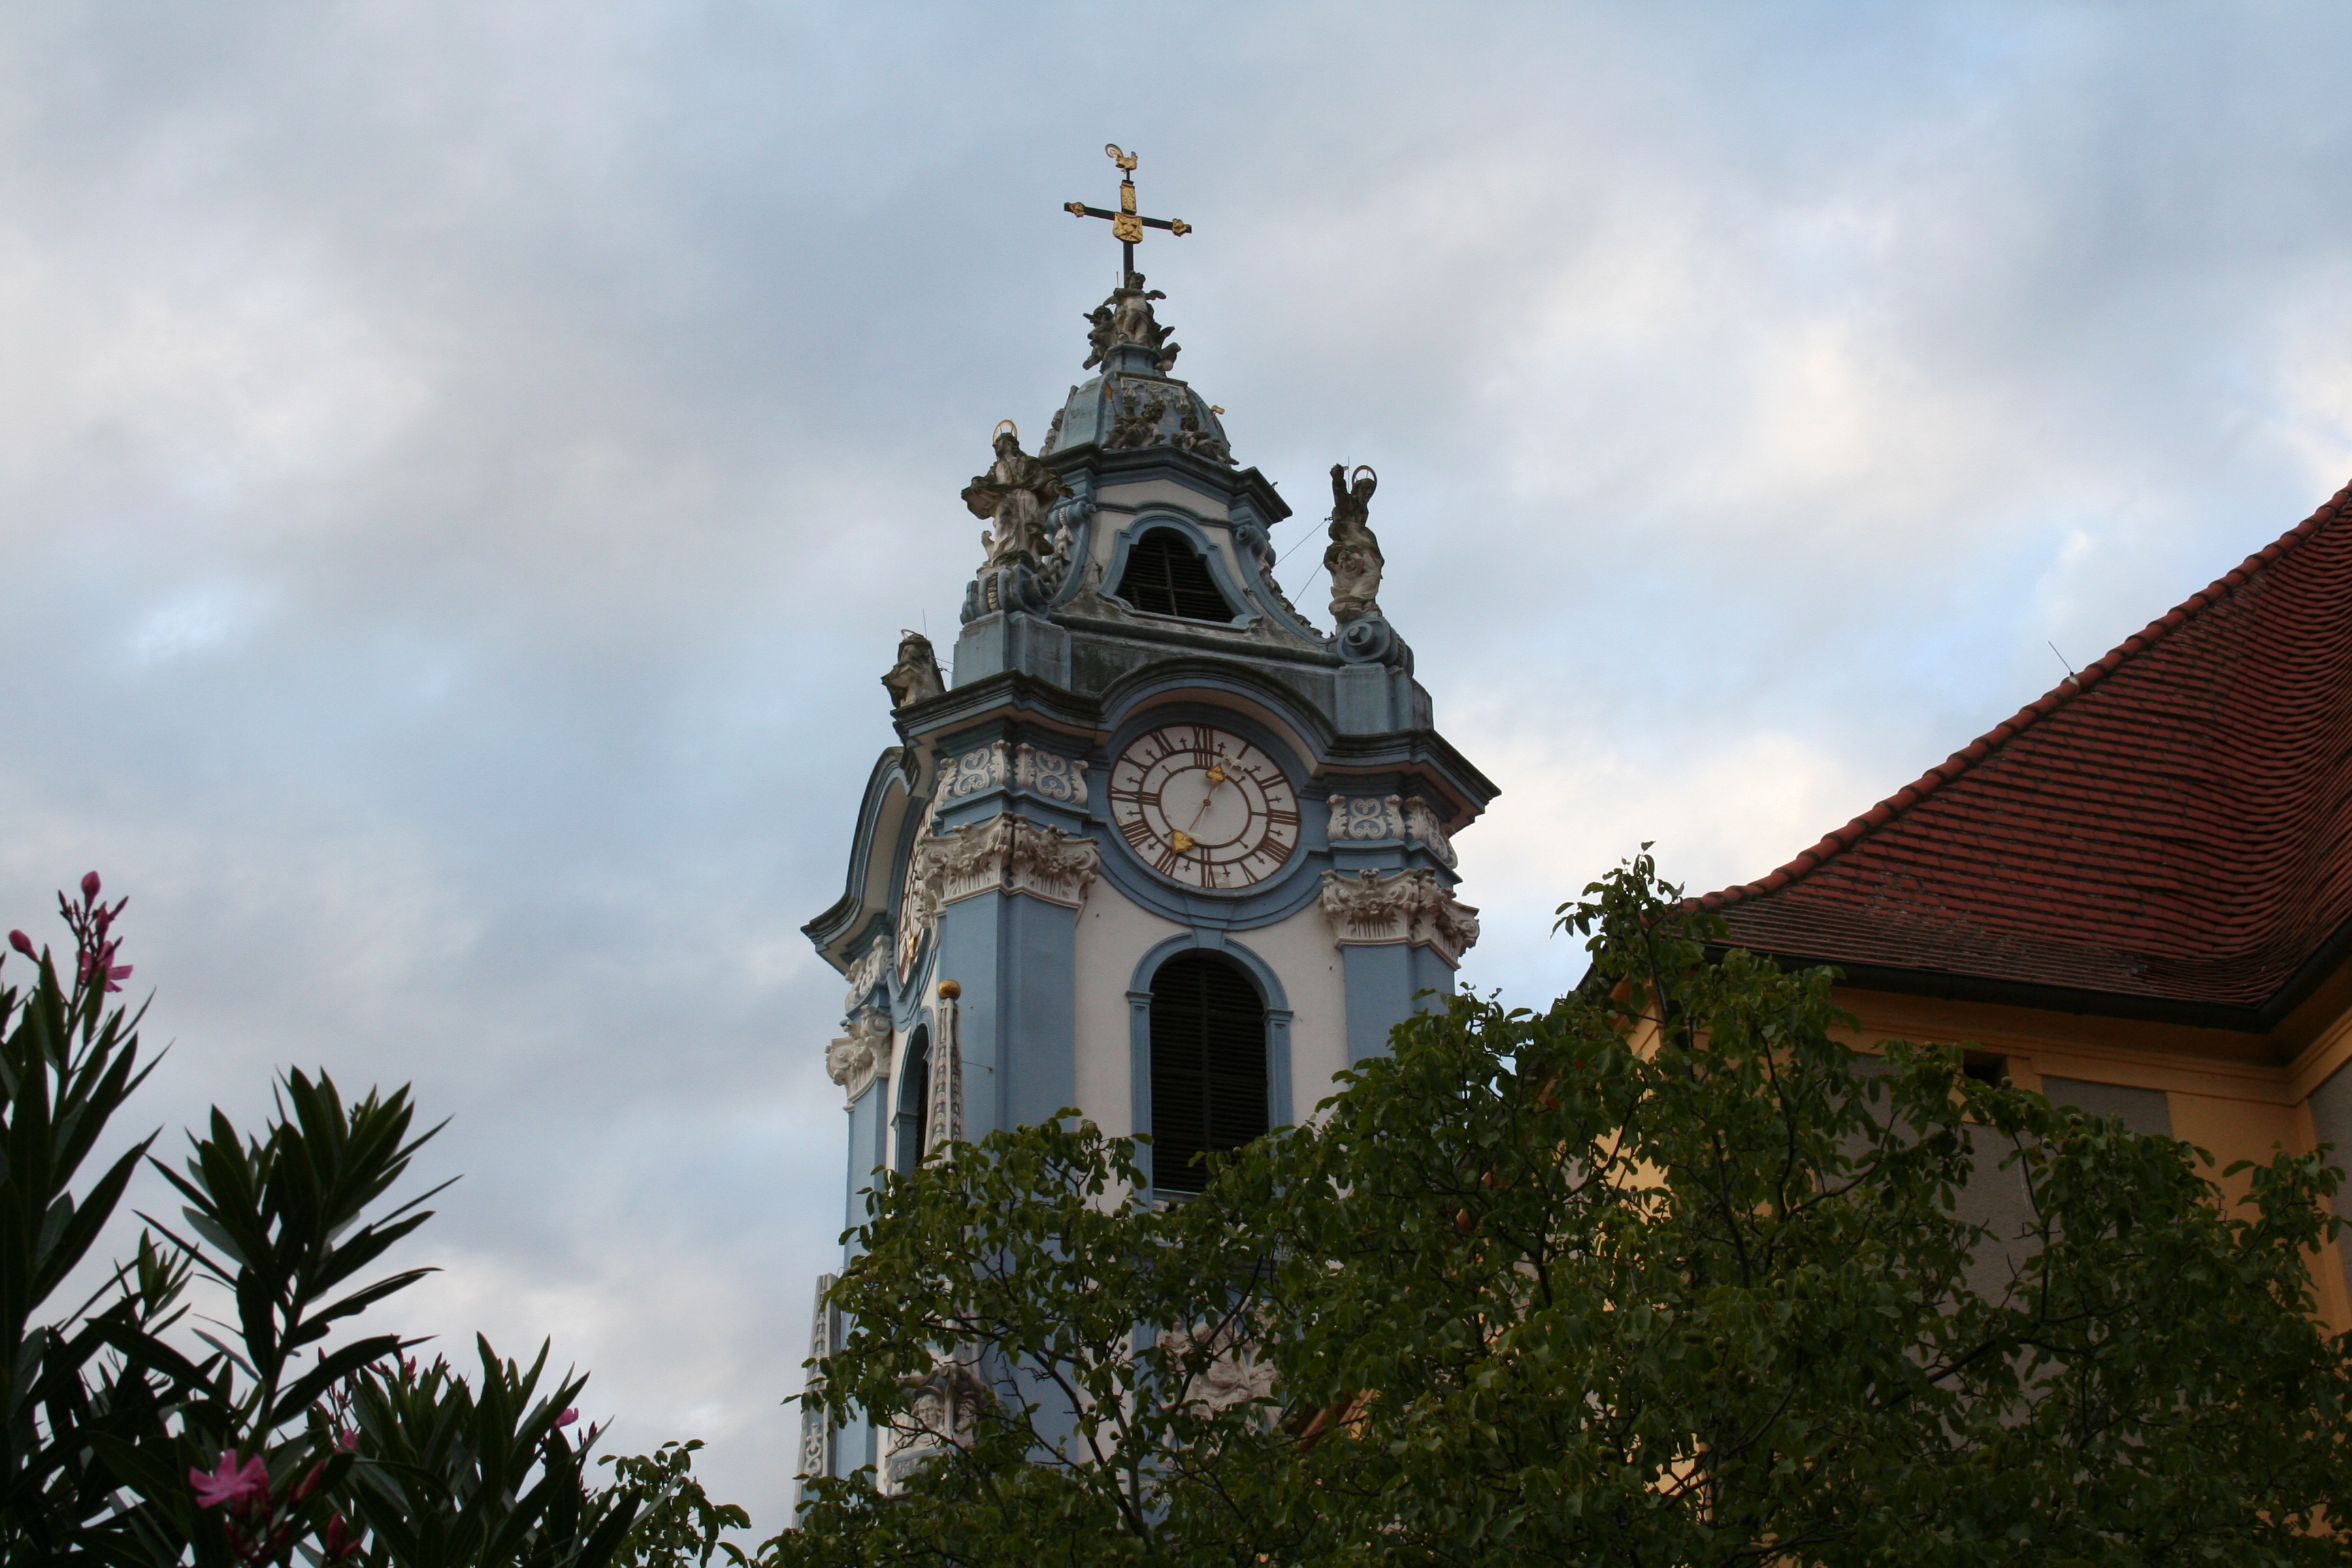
[1132, 320]
[916, 676]
[1014, 495]
[1353, 557]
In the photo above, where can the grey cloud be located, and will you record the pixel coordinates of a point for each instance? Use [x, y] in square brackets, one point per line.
[462, 469]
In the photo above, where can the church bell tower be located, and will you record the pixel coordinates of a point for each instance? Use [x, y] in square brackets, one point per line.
[1163, 849]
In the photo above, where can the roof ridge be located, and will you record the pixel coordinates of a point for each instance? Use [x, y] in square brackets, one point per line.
[1838, 840]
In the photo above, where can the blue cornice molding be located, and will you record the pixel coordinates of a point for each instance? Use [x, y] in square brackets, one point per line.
[1102, 466]
[1238, 687]
[841, 920]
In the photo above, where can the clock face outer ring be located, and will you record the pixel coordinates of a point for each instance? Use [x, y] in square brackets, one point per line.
[1204, 808]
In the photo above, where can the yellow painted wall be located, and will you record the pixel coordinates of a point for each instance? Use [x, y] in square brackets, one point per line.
[2238, 1095]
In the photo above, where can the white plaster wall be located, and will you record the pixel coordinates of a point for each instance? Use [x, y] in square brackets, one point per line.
[1168, 492]
[1302, 951]
[1113, 936]
[1165, 492]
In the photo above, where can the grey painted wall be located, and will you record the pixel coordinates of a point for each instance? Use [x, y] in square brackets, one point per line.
[2144, 1111]
[2331, 1114]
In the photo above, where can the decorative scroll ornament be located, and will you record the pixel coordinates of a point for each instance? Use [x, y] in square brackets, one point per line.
[1046, 774]
[1252, 536]
[865, 974]
[943, 1118]
[1421, 822]
[971, 772]
[1048, 864]
[854, 1060]
[1006, 854]
[947, 1402]
[919, 908]
[945, 1407]
[1230, 1375]
[1365, 819]
[816, 1432]
[1411, 907]
[1360, 820]
[1062, 524]
[1049, 775]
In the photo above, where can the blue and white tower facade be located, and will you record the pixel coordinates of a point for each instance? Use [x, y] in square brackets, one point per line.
[1163, 850]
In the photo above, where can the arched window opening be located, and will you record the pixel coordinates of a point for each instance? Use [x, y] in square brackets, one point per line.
[1208, 1066]
[1164, 576]
[913, 1120]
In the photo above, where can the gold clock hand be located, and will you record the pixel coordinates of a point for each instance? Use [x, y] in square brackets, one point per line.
[1217, 776]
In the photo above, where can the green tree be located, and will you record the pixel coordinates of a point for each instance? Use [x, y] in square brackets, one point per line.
[678, 1522]
[1665, 1274]
[279, 1435]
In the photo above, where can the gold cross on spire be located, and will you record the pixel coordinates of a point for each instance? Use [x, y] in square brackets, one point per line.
[1126, 224]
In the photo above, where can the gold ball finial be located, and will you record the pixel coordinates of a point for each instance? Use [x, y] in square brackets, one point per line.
[949, 990]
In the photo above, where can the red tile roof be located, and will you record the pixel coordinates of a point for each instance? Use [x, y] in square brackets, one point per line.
[2172, 827]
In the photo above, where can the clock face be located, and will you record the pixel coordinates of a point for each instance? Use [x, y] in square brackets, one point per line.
[1204, 808]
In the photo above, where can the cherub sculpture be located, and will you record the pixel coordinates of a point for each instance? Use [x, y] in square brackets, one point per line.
[1125, 318]
[1353, 557]
[916, 676]
[1098, 330]
[1137, 422]
[1014, 495]
[1190, 437]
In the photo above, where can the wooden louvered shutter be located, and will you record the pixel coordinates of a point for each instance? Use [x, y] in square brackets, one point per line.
[913, 1120]
[1164, 576]
[1208, 1066]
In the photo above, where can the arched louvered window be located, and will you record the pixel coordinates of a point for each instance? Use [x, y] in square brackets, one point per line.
[1165, 576]
[1208, 1066]
[914, 1102]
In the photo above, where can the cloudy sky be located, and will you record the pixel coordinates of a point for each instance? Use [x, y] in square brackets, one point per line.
[464, 466]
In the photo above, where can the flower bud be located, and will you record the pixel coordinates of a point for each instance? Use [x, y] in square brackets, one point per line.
[89, 885]
[22, 943]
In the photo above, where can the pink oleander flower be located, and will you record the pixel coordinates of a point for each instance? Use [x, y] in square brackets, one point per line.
[341, 1543]
[235, 1486]
[101, 962]
[348, 1440]
[570, 1415]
